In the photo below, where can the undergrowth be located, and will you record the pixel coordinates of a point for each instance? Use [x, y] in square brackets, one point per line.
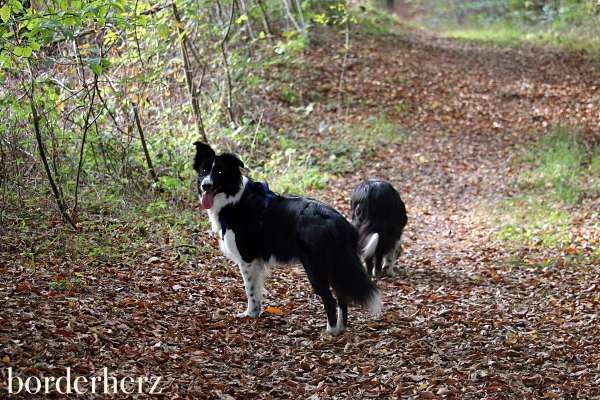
[556, 176]
[507, 33]
[568, 24]
[295, 165]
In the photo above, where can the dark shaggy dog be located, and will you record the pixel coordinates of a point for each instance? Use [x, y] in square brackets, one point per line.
[258, 229]
[380, 216]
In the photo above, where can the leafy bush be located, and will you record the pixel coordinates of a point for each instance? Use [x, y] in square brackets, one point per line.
[569, 23]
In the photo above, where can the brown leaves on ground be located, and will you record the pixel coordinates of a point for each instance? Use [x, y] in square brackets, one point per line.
[458, 322]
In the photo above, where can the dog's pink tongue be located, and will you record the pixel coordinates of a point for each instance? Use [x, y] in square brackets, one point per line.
[207, 200]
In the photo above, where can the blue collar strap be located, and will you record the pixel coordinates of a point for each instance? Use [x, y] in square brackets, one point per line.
[223, 227]
[268, 194]
[268, 197]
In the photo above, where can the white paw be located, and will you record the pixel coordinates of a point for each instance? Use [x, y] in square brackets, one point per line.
[248, 313]
[332, 330]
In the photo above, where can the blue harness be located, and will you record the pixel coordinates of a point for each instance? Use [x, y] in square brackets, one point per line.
[268, 197]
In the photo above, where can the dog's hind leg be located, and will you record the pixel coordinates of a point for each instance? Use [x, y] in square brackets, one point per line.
[253, 274]
[329, 303]
[318, 280]
[388, 262]
[399, 247]
[342, 322]
[391, 256]
[370, 266]
[378, 263]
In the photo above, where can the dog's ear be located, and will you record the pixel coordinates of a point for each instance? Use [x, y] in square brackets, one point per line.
[232, 160]
[203, 151]
[357, 214]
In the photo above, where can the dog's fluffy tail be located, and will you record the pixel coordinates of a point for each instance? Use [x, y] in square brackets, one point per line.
[371, 246]
[351, 283]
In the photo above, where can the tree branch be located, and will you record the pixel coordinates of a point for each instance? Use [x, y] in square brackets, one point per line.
[188, 78]
[143, 139]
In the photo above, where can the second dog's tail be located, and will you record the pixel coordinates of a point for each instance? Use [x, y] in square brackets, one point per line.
[371, 246]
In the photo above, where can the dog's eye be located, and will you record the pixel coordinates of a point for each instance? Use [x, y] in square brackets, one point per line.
[220, 172]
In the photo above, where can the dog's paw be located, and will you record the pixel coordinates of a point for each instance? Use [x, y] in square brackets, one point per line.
[332, 330]
[247, 314]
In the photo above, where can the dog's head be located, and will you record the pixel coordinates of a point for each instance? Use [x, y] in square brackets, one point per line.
[216, 174]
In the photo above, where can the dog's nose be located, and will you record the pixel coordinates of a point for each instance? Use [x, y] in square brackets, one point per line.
[207, 185]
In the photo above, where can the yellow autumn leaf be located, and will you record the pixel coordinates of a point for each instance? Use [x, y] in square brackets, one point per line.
[6, 359]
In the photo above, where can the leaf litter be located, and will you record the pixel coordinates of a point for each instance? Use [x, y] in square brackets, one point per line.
[459, 321]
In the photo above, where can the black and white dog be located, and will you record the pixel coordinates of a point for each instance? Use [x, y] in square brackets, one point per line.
[380, 216]
[258, 229]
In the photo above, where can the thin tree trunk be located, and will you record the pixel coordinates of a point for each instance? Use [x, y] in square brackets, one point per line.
[55, 190]
[290, 16]
[247, 21]
[265, 21]
[346, 47]
[229, 85]
[188, 78]
[85, 130]
[143, 139]
[304, 31]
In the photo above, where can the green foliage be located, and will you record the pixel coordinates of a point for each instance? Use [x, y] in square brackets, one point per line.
[555, 174]
[378, 22]
[557, 165]
[51, 59]
[530, 219]
[64, 284]
[595, 162]
[298, 166]
[568, 23]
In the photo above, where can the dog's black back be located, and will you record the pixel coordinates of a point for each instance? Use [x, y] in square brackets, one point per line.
[378, 209]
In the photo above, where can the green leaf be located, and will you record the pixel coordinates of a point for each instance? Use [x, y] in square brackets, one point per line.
[18, 51]
[262, 35]
[95, 65]
[105, 62]
[27, 51]
[67, 32]
[119, 6]
[163, 31]
[5, 13]
[96, 68]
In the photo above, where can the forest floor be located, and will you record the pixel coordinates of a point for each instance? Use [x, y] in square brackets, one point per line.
[467, 316]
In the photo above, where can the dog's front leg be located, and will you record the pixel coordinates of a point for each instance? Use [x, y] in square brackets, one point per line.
[253, 274]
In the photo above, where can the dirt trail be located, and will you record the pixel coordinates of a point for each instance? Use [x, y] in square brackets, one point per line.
[487, 328]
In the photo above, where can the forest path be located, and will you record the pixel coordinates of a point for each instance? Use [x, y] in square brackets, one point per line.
[502, 325]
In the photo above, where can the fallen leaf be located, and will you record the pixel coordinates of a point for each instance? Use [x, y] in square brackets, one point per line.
[274, 310]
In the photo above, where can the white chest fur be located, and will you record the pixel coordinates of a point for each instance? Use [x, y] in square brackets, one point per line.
[221, 200]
